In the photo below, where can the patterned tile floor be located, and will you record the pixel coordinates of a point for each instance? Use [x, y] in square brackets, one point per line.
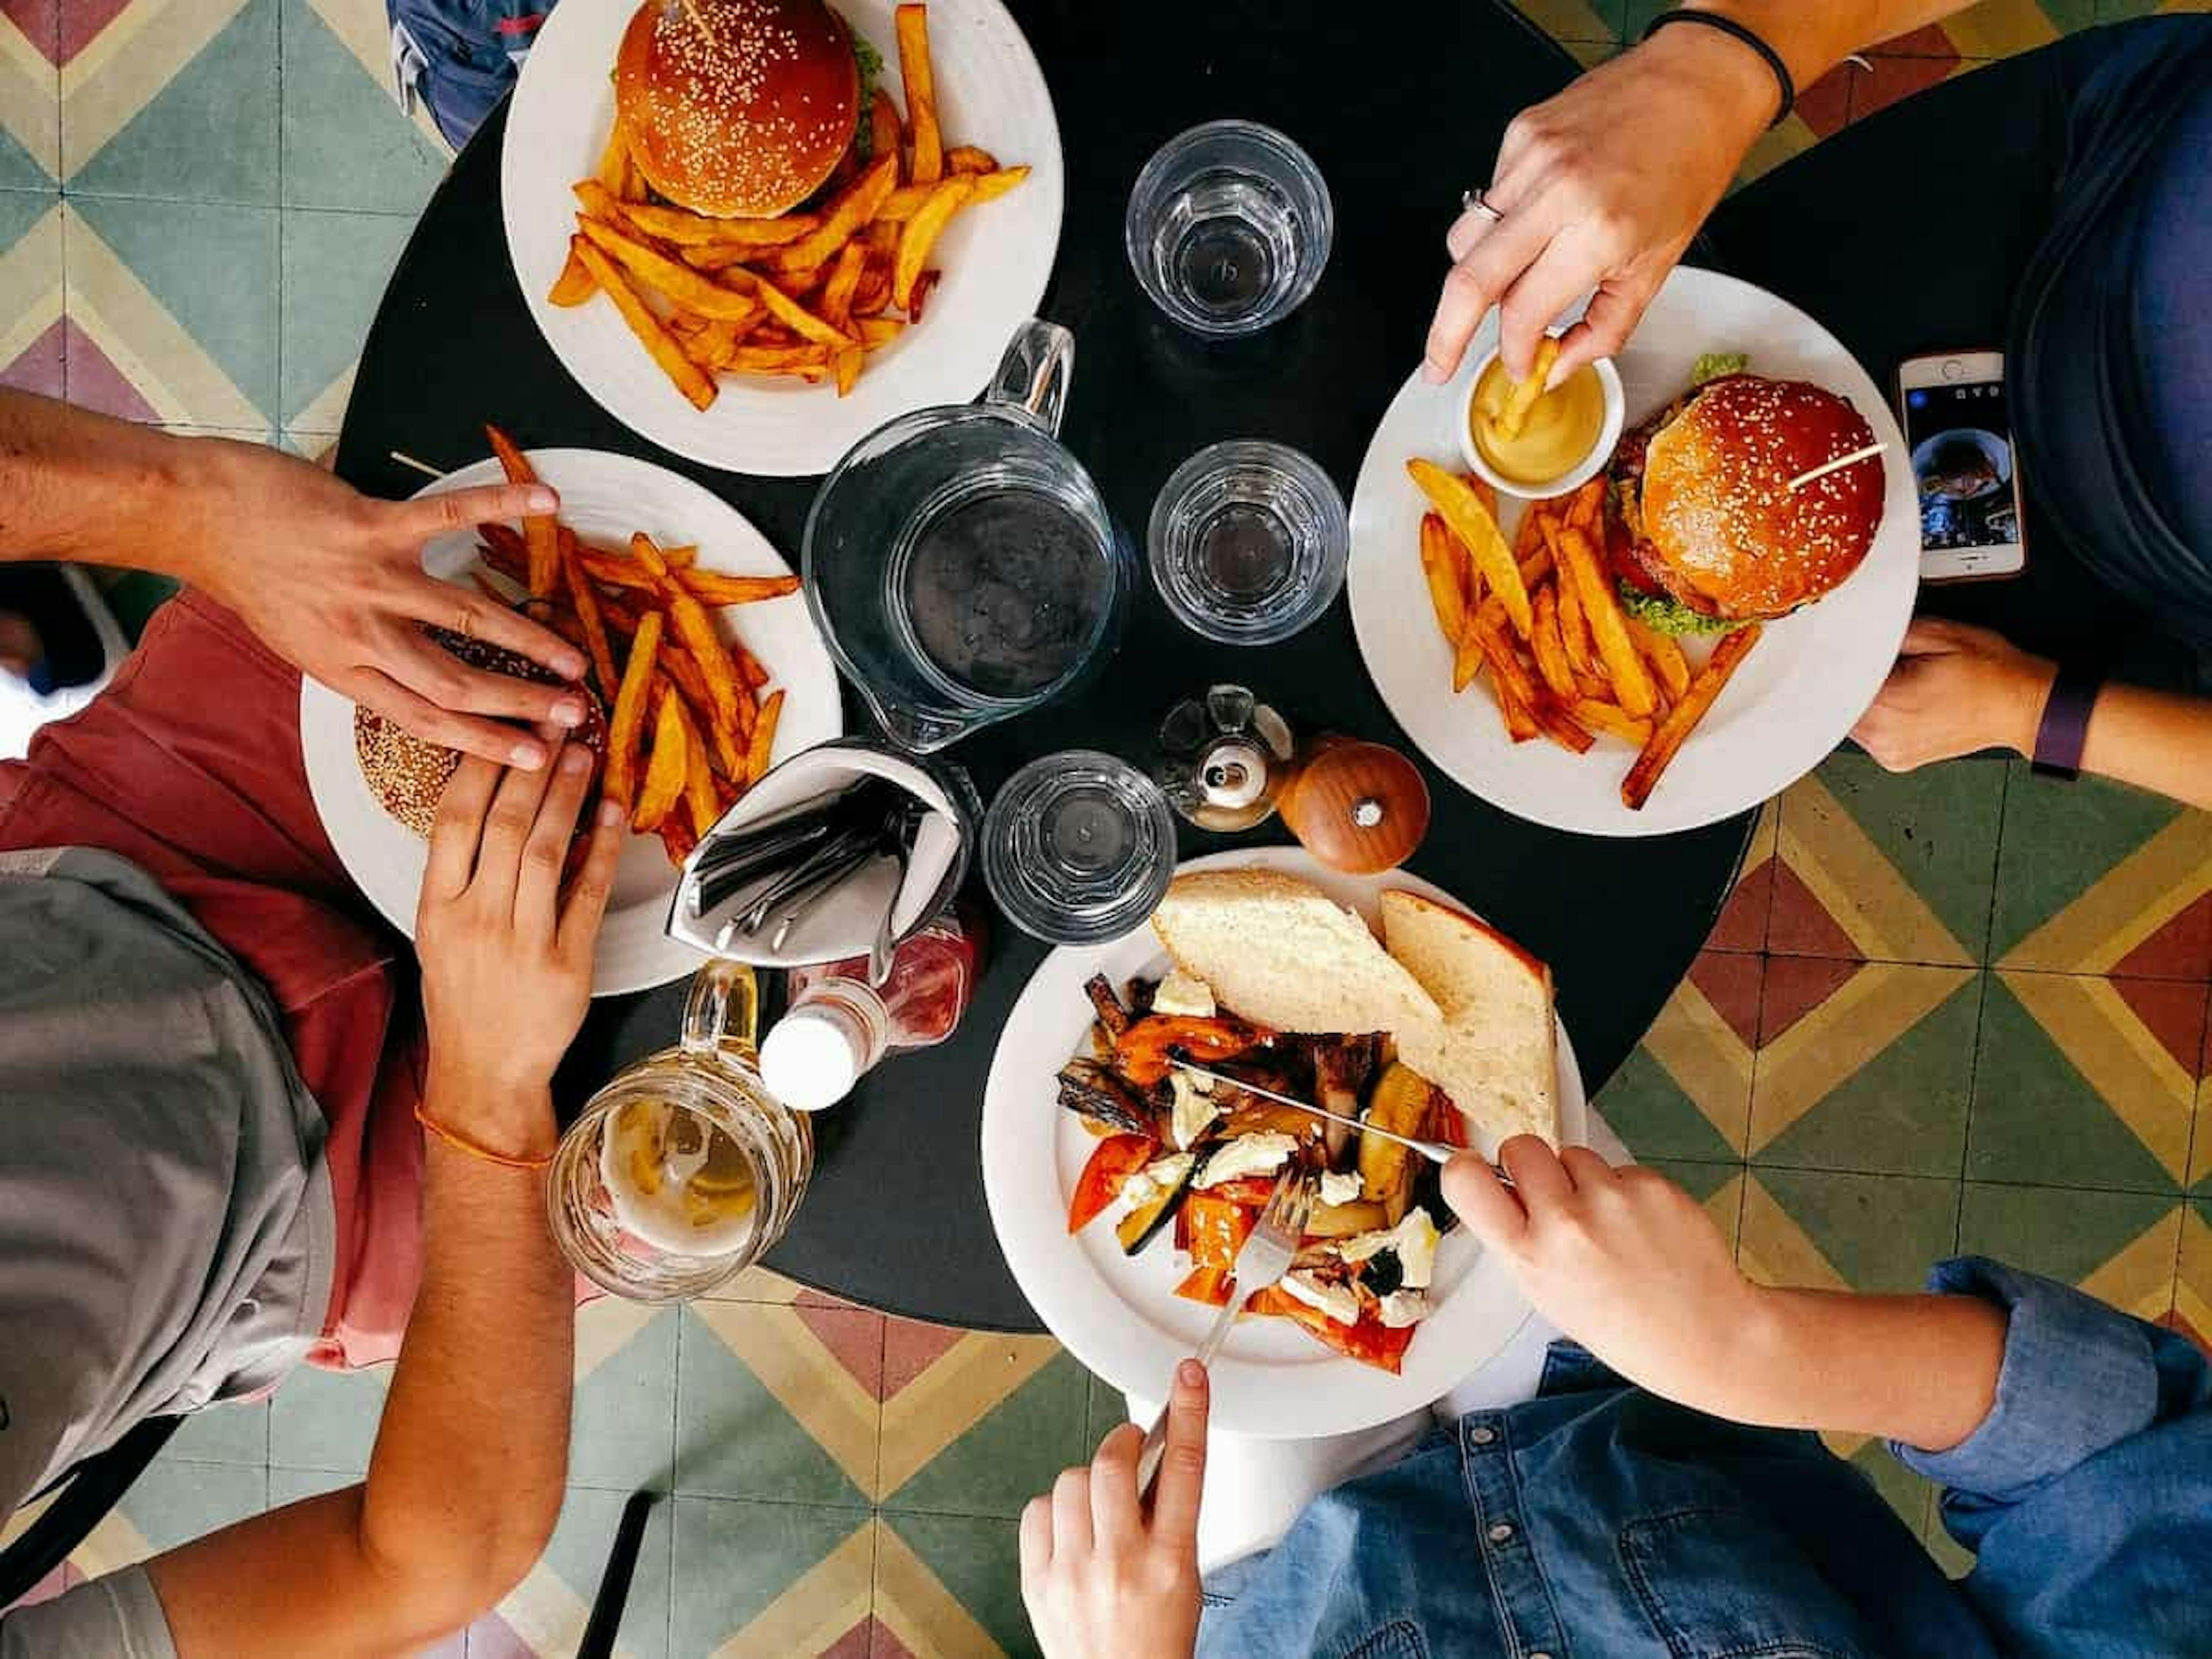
[1966, 1010]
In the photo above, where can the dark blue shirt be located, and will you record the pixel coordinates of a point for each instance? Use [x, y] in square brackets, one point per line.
[1600, 1521]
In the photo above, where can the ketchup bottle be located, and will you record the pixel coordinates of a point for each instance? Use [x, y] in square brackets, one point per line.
[838, 1026]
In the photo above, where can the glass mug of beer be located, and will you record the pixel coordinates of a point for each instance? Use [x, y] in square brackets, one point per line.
[683, 1170]
[961, 563]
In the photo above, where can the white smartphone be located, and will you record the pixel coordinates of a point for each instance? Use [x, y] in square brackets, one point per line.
[1959, 429]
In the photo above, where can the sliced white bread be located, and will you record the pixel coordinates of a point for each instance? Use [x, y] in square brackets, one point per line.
[1279, 951]
[1496, 1050]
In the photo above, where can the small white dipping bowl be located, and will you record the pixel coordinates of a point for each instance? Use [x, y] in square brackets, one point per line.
[1609, 435]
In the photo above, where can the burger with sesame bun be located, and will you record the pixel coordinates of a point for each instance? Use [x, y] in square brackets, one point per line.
[408, 775]
[740, 109]
[1705, 533]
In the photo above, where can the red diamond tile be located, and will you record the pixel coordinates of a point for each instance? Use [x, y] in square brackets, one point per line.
[911, 1348]
[1795, 986]
[855, 1644]
[1730, 983]
[2180, 950]
[82, 21]
[1899, 77]
[94, 382]
[39, 367]
[854, 1339]
[63, 1577]
[1797, 924]
[1826, 105]
[2173, 1012]
[1742, 925]
[885, 1645]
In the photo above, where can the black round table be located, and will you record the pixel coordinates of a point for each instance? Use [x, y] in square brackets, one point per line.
[1402, 106]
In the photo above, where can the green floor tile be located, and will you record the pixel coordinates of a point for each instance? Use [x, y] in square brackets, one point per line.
[336, 267]
[291, 1485]
[2060, 1233]
[2060, 839]
[17, 170]
[979, 1560]
[1937, 826]
[1881, 1232]
[346, 145]
[578, 1554]
[733, 1436]
[22, 208]
[1014, 1453]
[233, 1434]
[1954, 1557]
[326, 1419]
[1904, 1111]
[624, 1413]
[2036, 1118]
[1108, 1410]
[732, 1559]
[172, 1503]
[1655, 1118]
[213, 266]
[209, 134]
[1700, 1179]
[1911, 1495]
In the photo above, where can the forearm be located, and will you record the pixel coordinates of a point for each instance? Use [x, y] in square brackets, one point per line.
[77, 486]
[1813, 36]
[2156, 740]
[1922, 1369]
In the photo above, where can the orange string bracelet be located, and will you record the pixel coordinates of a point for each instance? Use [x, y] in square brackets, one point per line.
[476, 1149]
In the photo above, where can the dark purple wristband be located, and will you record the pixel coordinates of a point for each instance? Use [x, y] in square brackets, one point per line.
[2065, 731]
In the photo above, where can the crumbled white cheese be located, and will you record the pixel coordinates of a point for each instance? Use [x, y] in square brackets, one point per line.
[1179, 993]
[1338, 1302]
[1194, 1110]
[1258, 1153]
[1402, 1308]
[1161, 1174]
[1413, 1239]
[1339, 1188]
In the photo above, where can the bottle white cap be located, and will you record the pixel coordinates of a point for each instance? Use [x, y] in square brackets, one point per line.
[812, 1057]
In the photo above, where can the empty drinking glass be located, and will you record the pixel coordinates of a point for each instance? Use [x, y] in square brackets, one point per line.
[1249, 542]
[1229, 228]
[1078, 847]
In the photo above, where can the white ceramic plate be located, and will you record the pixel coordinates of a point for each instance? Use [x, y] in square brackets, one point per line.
[1121, 1316]
[605, 498]
[996, 258]
[1794, 699]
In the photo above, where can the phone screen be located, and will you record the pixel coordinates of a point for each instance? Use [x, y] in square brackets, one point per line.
[1962, 460]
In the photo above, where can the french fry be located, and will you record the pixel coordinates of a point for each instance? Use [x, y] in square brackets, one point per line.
[585, 600]
[540, 532]
[883, 133]
[696, 629]
[1508, 673]
[762, 752]
[1583, 506]
[614, 161]
[989, 186]
[1670, 734]
[1608, 626]
[1529, 534]
[664, 770]
[879, 332]
[1467, 660]
[874, 292]
[676, 837]
[748, 666]
[1665, 656]
[920, 234]
[912, 25]
[694, 382]
[573, 286]
[968, 158]
[699, 797]
[726, 741]
[1463, 511]
[843, 282]
[1561, 726]
[1440, 568]
[1603, 718]
[1591, 685]
[1532, 569]
[1574, 631]
[797, 319]
[801, 360]
[744, 239]
[848, 210]
[626, 725]
[1551, 655]
[1524, 394]
[1520, 725]
[504, 550]
[694, 290]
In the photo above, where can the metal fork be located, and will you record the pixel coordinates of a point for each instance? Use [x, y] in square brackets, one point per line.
[1262, 1261]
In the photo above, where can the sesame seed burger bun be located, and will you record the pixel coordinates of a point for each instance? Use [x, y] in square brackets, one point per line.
[1723, 532]
[408, 775]
[745, 120]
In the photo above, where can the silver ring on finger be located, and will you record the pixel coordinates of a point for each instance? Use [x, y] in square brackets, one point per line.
[1477, 201]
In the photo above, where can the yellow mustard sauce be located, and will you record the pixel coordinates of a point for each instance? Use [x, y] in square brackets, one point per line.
[1561, 430]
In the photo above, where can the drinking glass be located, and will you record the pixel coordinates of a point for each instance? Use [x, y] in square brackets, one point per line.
[1078, 847]
[1229, 228]
[685, 1170]
[1249, 542]
[960, 563]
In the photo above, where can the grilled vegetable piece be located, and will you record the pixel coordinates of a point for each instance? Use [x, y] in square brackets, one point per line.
[1145, 1049]
[1095, 1090]
[1343, 1221]
[1108, 1001]
[1342, 1068]
[1111, 1164]
[1143, 1223]
[1400, 1104]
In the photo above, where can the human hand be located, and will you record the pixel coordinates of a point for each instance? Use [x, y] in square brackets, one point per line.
[507, 956]
[1955, 690]
[1102, 1579]
[1602, 186]
[332, 581]
[1621, 1259]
